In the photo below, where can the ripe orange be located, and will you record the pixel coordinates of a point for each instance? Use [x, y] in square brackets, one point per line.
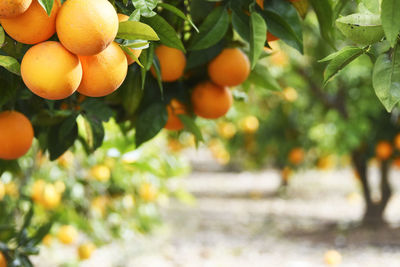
[211, 101]
[174, 109]
[172, 63]
[16, 135]
[226, 130]
[87, 27]
[249, 124]
[260, 3]
[67, 234]
[230, 68]
[296, 155]
[51, 198]
[86, 250]
[136, 52]
[51, 71]
[101, 173]
[271, 37]
[3, 261]
[33, 26]
[13, 8]
[397, 141]
[383, 150]
[148, 192]
[103, 73]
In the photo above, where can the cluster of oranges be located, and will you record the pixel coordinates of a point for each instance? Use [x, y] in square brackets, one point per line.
[68, 235]
[210, 99]
[46, 194]
[85, 59]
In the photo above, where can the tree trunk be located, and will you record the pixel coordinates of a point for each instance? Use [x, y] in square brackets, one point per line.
[373, 215]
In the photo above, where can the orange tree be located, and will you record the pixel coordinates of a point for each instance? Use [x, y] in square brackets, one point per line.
[69, 66]
[339, 116]
[66, 61]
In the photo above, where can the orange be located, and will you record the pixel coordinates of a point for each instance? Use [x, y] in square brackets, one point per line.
[174, 109]
[67, 234]
[101, 173]
[103, 73]
[230, 68]
[16, 135]
[383, 150]
[3, 261]
[87, 27]
[211, 101]
[148, 192]
[271, 37]
[33, 26]
[51, 198]
[396, 162]
[397, 141]
[86, 250]
[51, 71]
[260, 3]
[332, 258]
[172, 63]
[47, 240]
[296, 155]
[13, 8]
[249, 124]
[136, 52]
[227, 130]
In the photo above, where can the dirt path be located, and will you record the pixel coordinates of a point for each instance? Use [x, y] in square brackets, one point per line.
[239, 220]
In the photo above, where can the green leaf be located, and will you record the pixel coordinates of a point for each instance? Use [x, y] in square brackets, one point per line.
[137, 44]
[371, 5]
[212, 30]
[192, 127]
[61, 137]
[241, 22]
[165, 31]
[284, 22]
[135, 16]
[146, 7]
[390, 17]
[362, 29]
[47, 5]
[41, 233]
[339, 60]
[200, 57]
[2, 36]
[131, 91]
[258, 37]
[11, 64]
[94, 132]
[179, 13]
[324, 12]
[261, 77]
[97, 108]
[134, 30]
[386, 78]
[130, 53]
[150, 122]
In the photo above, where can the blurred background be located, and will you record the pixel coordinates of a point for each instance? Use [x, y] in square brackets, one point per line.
[307, 176]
